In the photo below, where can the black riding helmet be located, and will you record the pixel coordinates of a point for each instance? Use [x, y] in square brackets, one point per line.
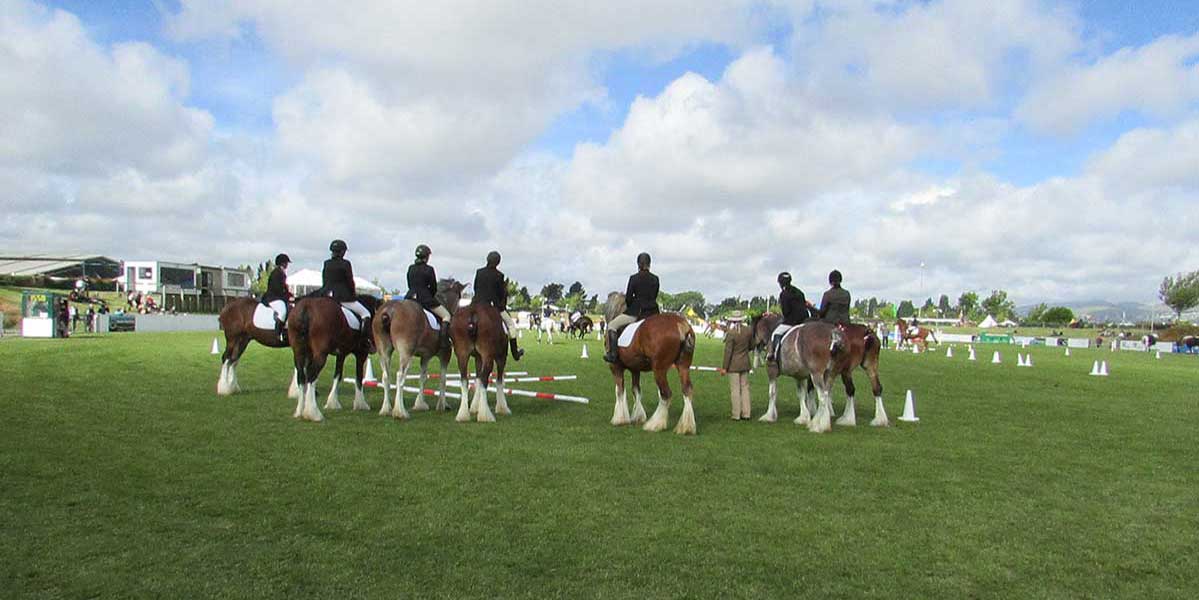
[643, 260]
[493, 258]
[784, 279]
[423, 252]
[338, 247]
[282, 260]
[834, 278]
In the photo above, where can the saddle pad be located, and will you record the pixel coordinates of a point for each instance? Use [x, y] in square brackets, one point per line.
[433, 324]
[264, 317]
[782, 329]
[351, 319]
[626, 336]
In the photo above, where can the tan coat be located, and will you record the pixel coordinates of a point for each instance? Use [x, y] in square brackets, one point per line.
[736, 349]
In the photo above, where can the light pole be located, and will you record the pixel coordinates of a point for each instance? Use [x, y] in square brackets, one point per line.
[920, 311]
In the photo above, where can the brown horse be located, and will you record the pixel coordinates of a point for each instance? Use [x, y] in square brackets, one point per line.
[808, 352]
[763, 327]
[861, 350]
[317, 328]
[920, 338]
[237, 321]
[478, 331]
[581, 327]
[403, 326]
[662, 341]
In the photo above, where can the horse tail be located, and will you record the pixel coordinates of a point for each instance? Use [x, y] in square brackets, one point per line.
[302, 325]
[472, 325]
[385, 322]
[687, 346]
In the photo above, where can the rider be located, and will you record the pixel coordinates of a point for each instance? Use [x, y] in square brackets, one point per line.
[795, 312]
[422, 288]
[641, 301]
[277, 295]
[491, 287]
[834, 306]
[337, 281]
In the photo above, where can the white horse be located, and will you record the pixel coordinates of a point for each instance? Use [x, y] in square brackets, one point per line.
[546, 326]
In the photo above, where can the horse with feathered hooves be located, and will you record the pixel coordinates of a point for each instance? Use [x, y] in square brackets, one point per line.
[478, 331]
[660, 342]
[861, 350]
[808, 352]
[317, 328]
[404, 326]
[919, 337]
[237, 321]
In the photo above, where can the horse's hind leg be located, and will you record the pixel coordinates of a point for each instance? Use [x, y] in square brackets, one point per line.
[301, 376]
[880, 412]
[849, 417]
[822, 420]
[359, 396]
[638, 416]
[620, 412]
[419, 404]
[661, 416]
[398, 410]
[463, 383]
[313, 369]
[241, 350]
[772, 414]
[441, 404]
[332, 403]
[384, 350]
[803, 386]
[686, 424]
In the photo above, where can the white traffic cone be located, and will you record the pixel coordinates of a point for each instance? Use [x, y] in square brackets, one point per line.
[909, 409]
[1067, 352]
[1095, 368]
[370, 372]
[1159, 354]
[995, 358]
[216, 348]
[1103, 369]
[949, 353]
[599, 337]
[1028, 360]
[1019, 360]
[584, 352]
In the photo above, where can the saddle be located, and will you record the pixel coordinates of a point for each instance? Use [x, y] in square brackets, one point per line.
[627, 334]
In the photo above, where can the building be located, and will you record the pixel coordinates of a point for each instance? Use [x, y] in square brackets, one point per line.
[59, 268]
[186, 287]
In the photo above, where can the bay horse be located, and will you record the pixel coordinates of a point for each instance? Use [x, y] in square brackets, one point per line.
[862, 349]
[581, 326]
[762, 328]
[478, 331]
[920, 338]
[808, 352]
[402, 325]
[662, 341]
[317, 328]
[237, 321]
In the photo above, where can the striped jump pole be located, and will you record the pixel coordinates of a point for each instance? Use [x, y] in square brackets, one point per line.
[525, 393]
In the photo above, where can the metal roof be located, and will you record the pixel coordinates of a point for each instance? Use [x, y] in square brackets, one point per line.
[40, 263]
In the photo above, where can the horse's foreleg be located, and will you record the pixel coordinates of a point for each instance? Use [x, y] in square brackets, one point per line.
[419, 404]
[686, 424]
[620, 411]
[222, 380]
[638, 416]
[822, 420]
[359, 396]
[849, 417]
[302, 377]
[805, 407]
[659, 421]
[772, 414]
[331, 403]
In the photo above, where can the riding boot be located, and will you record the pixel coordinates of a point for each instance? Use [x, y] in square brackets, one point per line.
[443, 336]
[281, 330]
[370, 338]
[611, 355]
[516, 352]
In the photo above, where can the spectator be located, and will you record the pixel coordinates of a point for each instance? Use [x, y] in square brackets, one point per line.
[737, 341]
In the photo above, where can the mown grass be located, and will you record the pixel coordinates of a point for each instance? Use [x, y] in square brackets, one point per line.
[123, 474]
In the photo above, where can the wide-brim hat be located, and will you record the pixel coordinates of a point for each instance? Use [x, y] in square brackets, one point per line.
[736, 316]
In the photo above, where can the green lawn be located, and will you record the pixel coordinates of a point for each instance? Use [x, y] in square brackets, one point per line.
[123, 474]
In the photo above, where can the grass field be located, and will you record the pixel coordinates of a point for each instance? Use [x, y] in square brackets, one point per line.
[123, 474]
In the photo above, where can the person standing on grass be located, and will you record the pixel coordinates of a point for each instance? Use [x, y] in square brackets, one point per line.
[737, 342]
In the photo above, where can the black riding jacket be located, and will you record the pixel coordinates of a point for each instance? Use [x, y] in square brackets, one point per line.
[641, 297]
[422, 285]
[834, 306]
[276, 287]
[337, 280]
[491, 287]
[795, 307]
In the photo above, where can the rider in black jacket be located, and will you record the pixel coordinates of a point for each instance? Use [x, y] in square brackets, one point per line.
[277, 296]
[641, 301]
[337, 282]
[795, 311]
[422, 289]
[491, 287]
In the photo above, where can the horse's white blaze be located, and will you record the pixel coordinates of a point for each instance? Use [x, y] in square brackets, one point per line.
[331, 403]
[880, 413]
[293, 391]
[483, 410]
[638, 408]
[463, 402]
[686, 424]
[661, 415]
[620, 411]
[501, 402]
[772, 413]
[850, 417]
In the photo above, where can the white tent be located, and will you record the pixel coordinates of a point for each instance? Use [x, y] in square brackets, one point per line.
[989, 322]
[306, 281]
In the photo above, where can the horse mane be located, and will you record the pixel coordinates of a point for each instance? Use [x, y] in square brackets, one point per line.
[614, 306]
[449, 292]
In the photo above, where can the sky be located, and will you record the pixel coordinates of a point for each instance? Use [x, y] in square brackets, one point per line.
[1050, 149]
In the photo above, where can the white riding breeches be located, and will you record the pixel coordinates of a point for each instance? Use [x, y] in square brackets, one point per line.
[442, 313]
[280, 308]
[776, 338]
[357, 308]
[508, 322]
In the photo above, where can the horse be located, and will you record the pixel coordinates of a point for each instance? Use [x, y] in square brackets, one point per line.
[762, 328]
[545, 325]
[581, 326]
[317, 328]
[478, 331]
[237, 321]
[1189, 342]
[403, 326]
[920, 337]
[811, 353]
[662, 341]
[861, 350]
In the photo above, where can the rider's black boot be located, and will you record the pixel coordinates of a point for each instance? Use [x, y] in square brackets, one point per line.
[369, 335]
[516, 352]
[281, 331]
[610, 356]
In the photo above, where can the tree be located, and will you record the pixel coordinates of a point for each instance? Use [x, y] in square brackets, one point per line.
[998, 305]
[576, 288]
[872, 306]
[1037, 314]
[929, 309]
[1058, 315]
[689, 298]
[258, 288]
[728, 304]
[943, 307]
[552, 292]
[906, 310]
[1180, 293]
[886, 311]
[968, 304]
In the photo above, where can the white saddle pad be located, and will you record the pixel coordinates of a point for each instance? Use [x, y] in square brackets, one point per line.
[626, 336]
[351, 318]
[432, 320]
[264, 317]
[782, 329]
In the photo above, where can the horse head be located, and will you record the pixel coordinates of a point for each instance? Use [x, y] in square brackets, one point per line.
[449, 293]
